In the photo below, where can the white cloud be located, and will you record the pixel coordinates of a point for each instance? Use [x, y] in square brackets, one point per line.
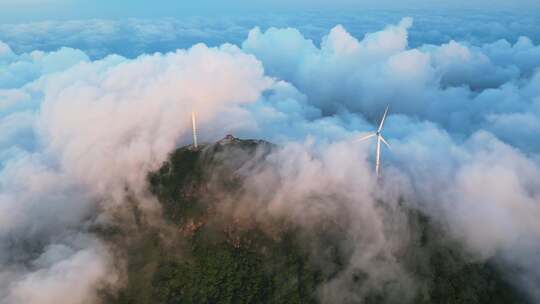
[98, 129]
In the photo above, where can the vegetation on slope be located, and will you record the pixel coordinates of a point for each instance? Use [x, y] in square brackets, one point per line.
[206, 258]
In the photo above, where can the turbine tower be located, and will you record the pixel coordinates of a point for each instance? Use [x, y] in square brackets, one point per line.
[380, 139]
[194, 129]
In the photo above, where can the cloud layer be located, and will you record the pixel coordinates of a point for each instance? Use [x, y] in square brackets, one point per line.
[79, 134]
[80, 155]
[136, 36]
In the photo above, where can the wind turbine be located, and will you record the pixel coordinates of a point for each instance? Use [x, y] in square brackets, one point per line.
[380, 139]
[194, 129]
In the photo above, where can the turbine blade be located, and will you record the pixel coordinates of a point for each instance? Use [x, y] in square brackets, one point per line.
[387, 144]
[365, 137]
[194, 129]
[382, 120]
[378, 157]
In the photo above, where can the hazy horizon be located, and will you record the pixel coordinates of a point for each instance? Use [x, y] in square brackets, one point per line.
[12, 11]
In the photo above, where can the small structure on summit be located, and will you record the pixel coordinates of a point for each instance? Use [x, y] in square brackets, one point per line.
[227, 139]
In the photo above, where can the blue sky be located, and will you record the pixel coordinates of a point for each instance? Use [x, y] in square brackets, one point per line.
[29, 10]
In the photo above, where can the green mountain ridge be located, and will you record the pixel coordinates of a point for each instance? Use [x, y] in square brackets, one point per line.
[204, 255]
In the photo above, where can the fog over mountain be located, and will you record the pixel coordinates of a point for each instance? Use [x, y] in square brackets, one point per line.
[80, 129]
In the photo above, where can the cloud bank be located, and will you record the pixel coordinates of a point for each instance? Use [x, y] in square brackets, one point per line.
[80, 134]
[85, 155]
[136, 36]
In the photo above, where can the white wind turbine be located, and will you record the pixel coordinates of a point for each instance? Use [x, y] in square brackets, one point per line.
[194, 129]
[379, 139]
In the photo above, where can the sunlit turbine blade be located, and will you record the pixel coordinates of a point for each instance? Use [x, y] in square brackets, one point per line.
[387, 144]
[382, 120]
[365, 137]
[378, 156]
[194, 129]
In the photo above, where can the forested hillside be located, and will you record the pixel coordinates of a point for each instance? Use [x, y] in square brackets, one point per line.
[203, 255]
